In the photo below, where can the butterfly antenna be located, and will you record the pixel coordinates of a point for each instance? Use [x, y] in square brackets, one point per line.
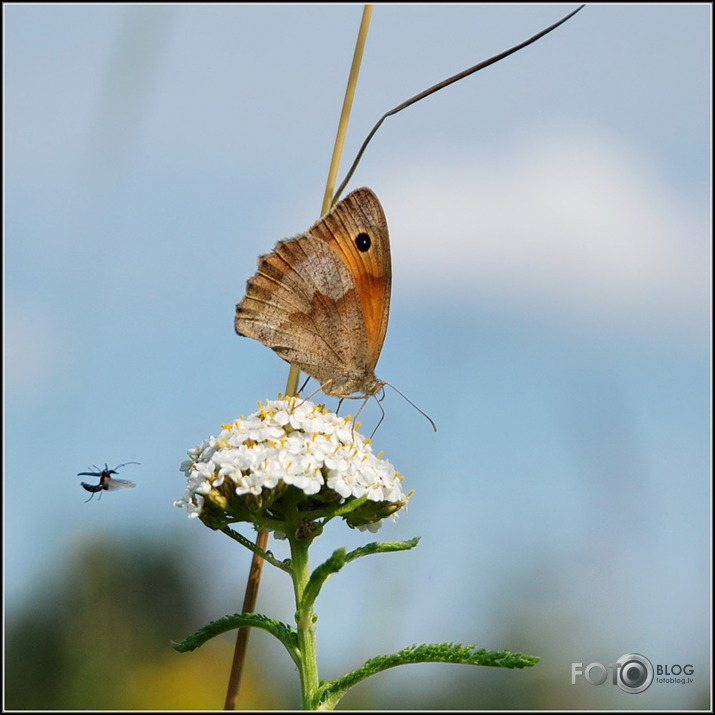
[422, 412]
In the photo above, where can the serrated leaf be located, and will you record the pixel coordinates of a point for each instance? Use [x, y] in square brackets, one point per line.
[283, 632]
[331, 691]
[339, 558]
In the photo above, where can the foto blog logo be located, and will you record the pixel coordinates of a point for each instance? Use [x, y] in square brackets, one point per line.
[632, 673]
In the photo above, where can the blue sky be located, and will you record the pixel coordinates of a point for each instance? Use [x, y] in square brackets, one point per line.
[550, 223]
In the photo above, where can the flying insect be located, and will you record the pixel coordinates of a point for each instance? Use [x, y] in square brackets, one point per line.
[106, 482]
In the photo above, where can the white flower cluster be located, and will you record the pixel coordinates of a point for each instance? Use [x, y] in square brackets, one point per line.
[293, 441]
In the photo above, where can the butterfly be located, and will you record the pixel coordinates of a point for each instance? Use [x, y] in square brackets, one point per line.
[105, 479]
[321, 300]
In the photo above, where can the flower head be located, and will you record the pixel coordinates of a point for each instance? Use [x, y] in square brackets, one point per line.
[289, 463]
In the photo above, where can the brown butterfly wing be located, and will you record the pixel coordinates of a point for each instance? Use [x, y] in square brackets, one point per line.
[356, 229]
[321, 300]
[302, 305]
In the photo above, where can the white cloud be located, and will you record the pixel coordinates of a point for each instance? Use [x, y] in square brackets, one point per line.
[572, 226]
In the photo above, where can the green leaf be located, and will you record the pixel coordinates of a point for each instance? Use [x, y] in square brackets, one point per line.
[382, 547]
[331, 691]
[283, 632]
[339, 558]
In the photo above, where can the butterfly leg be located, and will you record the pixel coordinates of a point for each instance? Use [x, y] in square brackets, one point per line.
[382, 416]
[302, 387]
[315, 392]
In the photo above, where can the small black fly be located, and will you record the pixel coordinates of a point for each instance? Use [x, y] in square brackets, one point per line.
[105, 479]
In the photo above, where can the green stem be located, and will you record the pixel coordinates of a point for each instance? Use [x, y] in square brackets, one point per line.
[305, 617]
[265, 555]
[305, 623]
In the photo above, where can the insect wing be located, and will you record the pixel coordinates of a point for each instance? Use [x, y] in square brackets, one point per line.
[113, 484]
